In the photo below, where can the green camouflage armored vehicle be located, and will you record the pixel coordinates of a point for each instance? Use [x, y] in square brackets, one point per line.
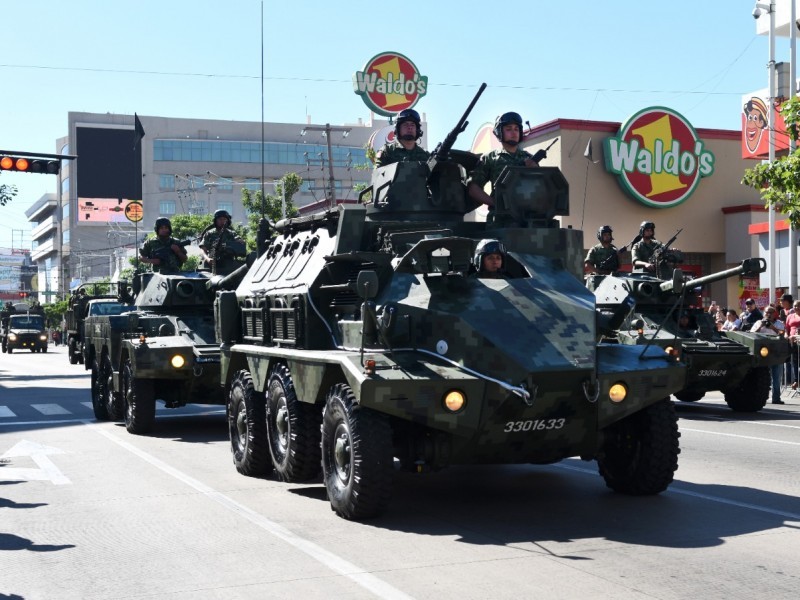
[89, 299]
[669, 315]
[23, 331]
[362, 336]
[163, 348]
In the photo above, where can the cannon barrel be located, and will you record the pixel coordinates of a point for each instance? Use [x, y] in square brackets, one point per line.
[749, 266]
[229, 281]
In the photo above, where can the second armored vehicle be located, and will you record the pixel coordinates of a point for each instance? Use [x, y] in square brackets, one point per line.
[24, 331]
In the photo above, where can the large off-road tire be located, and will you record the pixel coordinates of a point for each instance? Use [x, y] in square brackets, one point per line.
[639, 455]
[752, 393]
[72, 351]
[357, 460]
[685, 396]
[247, 427]
[139, 401]
[293, 429]
[112, 399]
[98, 396]
[10, 350]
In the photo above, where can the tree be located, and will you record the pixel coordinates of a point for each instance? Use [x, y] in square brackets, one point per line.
[270, 205]
[779, 181]
[55, 312]
[7, 193]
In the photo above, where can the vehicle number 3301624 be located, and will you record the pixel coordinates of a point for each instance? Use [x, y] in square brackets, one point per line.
[533, 425]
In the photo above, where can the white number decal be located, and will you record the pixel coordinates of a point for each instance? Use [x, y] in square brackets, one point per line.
[533, 425]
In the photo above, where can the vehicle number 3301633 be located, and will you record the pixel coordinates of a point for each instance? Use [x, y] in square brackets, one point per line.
[533, 425]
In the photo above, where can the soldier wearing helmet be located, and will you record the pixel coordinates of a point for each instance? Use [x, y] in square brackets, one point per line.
[490, 259]
[508, 130]
[163, 252]
[407, 130]
[221, 247]
[603, 258]
[643, 250]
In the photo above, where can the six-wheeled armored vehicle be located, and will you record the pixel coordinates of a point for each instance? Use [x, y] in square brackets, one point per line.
[669, 315]
[363, 338]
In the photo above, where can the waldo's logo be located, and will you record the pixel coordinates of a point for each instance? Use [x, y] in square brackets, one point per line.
[389, 83]
[658, 157]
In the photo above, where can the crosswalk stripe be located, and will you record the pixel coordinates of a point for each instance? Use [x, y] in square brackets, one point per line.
[51, 409]
[6, 412]
[88, 405]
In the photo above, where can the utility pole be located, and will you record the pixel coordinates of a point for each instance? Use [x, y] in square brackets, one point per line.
[326, 131]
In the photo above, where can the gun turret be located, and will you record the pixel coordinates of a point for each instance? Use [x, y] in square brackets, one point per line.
[748, 267]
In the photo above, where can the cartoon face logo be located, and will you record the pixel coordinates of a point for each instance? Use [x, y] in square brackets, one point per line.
[755, 117]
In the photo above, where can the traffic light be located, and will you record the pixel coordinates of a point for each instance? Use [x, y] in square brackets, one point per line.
[23, 294]
[29, 165]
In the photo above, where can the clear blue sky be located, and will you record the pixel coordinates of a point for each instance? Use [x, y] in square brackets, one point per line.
[581, 59]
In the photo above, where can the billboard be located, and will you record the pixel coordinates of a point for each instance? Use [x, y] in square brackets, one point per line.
[755, 126]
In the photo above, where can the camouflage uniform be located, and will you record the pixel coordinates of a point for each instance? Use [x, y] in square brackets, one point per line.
[231, 246]
[393, 152]
[169, 266]
[644, 251]
[601, 255]
[491, 164]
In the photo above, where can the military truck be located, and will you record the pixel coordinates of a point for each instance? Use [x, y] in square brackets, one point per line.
[22, 331]
[162, 348]
[88, 299]
[362, 336]
[735, 363]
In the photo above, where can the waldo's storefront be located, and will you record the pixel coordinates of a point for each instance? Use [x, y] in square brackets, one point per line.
[657, 167]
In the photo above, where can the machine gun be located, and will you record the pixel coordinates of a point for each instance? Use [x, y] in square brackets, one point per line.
[442, 151]
[163, 253]
[665, 256]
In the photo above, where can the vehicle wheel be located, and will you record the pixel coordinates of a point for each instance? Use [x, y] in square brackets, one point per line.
[752, 393]
[292, 429]
[247, 427]
[689, 396]
[139, 401]
[10, 350]
[72, 352]
[357, 458]
[639, 455]
[112, 399]
[98, 402]
[44, 349]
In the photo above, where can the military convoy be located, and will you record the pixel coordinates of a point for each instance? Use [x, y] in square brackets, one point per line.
[22, 331]
[87, 300]
[735, 363]
[162, 347]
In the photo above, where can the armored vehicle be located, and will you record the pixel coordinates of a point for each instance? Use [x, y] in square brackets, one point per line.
[163, 348]
[669, 315]
[362, 336]
[88, 299]
[24, 331]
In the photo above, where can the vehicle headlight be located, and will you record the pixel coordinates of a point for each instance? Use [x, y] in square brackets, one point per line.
[12, 337]
[764, 352]
[43, 338]
[454, 401]
[177, 361]
[617, 392]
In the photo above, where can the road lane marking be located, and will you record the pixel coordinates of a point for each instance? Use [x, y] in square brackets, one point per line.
[88, 405]
[39, 453]
[51, 409]
[6, 412]
[741, 437]
[335, 563]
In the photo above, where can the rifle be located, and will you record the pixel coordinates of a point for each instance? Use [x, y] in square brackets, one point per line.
[658, 254]
[163, 253]
[611, 263]
[540, 154]
[443, 149]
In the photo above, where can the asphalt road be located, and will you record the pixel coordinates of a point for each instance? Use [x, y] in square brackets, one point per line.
[88, 511]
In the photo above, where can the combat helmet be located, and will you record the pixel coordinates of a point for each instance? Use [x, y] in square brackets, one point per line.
[505, 119]
[409, 114]
[605, 229]
[222, 213]
[488, 247]
[647, 225]
[160, 222]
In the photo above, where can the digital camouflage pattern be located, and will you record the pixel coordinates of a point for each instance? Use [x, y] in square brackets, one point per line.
[491, 164]
[162, 249]
[522, 350]
[730, 362]
[394, 152]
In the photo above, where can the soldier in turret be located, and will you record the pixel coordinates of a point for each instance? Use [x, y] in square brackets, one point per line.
[603, 258]
[407, 131]
[508, 130]
[163, 252]
[489, 259]
[222, 248]
[644, 250]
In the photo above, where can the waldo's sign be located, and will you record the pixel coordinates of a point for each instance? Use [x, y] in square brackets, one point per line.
[658, 157]
[389, 83]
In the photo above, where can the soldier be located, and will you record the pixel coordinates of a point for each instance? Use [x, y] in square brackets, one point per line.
[489, 259]
[507, 129]
[643, 251]
[407, 131]
[603, 258]
[163, 252]
[37, 308]
[220, 245]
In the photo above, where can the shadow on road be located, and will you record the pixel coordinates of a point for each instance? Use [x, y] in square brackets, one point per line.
[9, 541]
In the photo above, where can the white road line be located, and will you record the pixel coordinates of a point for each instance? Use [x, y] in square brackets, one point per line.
[741, 437]
[6, 412]
[51, 409]
[88, 405]
[366, 580]
[764, 423]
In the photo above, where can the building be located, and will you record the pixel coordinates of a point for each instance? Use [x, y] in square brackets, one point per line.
[179, 166]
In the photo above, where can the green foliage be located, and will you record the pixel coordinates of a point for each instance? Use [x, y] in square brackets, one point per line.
[53, 313]
[269, 205]
[7, 193]
[779, 181]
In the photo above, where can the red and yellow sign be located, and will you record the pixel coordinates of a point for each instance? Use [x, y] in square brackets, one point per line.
[658, 157]
[389, 83]
[134, 211]
[755, 127]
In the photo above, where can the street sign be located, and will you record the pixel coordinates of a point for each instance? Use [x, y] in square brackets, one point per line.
[134, 211]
